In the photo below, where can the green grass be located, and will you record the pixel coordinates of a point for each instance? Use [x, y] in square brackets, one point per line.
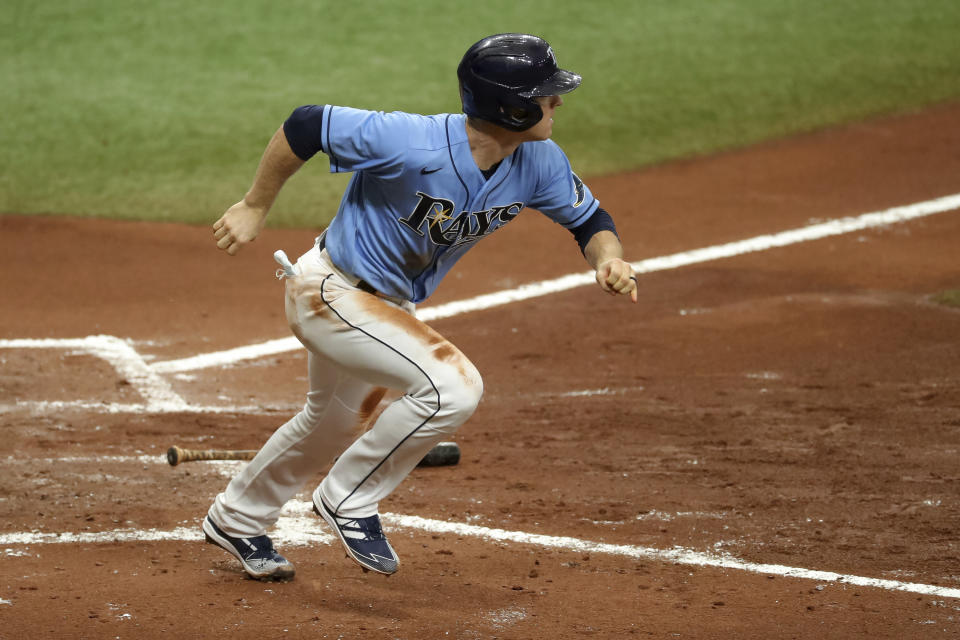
[160, 110]
[948, 298]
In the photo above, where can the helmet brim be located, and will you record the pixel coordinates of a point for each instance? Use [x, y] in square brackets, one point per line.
[559, 83]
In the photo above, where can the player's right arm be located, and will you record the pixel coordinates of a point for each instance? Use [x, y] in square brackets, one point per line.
[361, 141]
[243, 221]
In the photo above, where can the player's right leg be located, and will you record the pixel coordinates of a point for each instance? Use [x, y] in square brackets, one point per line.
[337, 410]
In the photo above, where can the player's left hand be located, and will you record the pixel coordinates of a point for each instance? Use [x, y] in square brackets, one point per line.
[615, 276]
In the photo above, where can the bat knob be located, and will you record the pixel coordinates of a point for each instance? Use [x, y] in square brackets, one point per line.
[173, 456]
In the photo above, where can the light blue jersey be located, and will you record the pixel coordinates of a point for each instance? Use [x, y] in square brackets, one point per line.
[417, 200]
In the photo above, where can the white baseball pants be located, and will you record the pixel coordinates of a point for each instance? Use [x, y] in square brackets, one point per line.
[360, 344]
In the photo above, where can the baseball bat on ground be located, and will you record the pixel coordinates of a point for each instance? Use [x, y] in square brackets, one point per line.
[443, 454]
[176, 455]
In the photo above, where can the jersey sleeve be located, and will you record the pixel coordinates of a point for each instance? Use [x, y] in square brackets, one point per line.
[560, 194]
[360, 140]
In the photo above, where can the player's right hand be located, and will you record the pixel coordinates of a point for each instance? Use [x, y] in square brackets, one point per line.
[238, 226]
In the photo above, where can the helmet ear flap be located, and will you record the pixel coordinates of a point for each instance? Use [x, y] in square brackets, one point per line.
[486, 101]
[520, 116]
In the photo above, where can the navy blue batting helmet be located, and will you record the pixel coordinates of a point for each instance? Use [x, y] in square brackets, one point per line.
[502, 75]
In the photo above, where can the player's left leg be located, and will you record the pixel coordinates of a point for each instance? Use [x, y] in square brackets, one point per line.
[337, 409]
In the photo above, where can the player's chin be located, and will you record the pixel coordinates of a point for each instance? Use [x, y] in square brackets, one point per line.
[540, 136]
[541, 131]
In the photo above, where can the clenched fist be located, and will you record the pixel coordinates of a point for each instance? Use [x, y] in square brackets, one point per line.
[238, 226]
[615, 276]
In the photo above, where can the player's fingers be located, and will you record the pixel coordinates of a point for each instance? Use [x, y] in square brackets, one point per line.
[219, 223]
[634, 292]
[618, 274]
[613, 276]
[623, 283]
[225, 242]
[602, 281]
[233, 248]
[220, 232]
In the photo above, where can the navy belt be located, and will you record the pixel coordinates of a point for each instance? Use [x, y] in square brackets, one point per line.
[363, 285]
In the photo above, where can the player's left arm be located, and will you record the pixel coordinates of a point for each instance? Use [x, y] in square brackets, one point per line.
[602, 249]
[563, 197]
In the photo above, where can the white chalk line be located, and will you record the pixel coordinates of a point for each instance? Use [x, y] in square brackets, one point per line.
[533, 290]
[129, 364]
[156, 458]
[291, 530]
[46, 407]
[297, 528]
[230, 356]
[140, 459]
[677, 555]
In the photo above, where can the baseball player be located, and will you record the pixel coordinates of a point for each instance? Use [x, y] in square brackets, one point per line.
[424, 190]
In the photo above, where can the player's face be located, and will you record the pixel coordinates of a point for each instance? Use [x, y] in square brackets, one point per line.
[544, 129]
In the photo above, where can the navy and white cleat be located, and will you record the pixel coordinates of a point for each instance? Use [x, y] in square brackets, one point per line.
[257, 555]
[362, 539]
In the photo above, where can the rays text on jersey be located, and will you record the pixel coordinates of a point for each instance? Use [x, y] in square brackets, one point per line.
[446, 229]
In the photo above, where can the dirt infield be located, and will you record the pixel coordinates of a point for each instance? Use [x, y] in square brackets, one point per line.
[797, 407]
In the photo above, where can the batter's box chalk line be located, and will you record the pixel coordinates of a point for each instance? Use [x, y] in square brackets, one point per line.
[129, 364]
[297, 527]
